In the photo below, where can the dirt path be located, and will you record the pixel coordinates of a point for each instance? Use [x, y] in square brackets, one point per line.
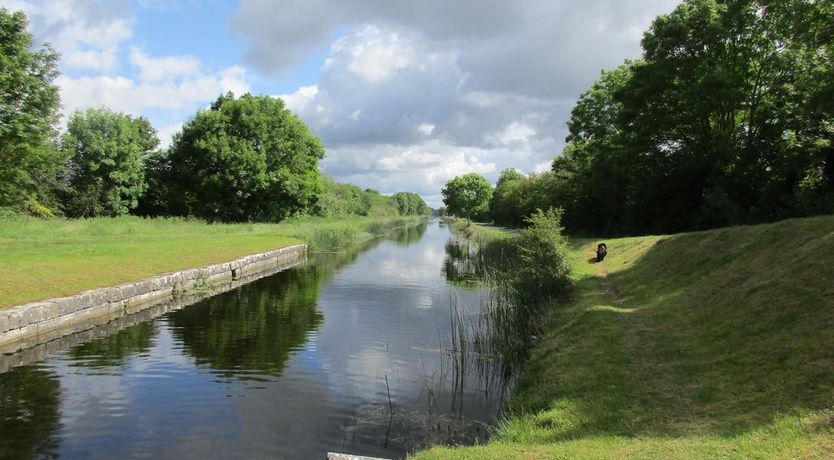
[653, 381]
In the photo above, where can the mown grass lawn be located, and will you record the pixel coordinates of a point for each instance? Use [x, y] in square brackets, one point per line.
[44, 258]
[715, 344]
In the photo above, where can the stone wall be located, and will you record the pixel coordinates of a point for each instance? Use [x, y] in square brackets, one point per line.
[36, 323]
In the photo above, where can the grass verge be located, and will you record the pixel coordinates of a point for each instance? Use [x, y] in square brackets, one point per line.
[712, 344]
[45, 258]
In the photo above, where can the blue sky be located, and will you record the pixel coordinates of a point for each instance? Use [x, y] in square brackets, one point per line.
[404, 95]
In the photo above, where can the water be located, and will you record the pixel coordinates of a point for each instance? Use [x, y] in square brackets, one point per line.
[290, 366]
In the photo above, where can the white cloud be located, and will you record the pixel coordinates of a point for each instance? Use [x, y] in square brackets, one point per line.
[422, 168]
[376, 56]
[135, 96]
[540, 48]
[421, 127]
[87, 33]
[425, 128]
[443, 88]
[301, 98]
[164, 68]
[542, 167]
[514, 132]
[166, 134]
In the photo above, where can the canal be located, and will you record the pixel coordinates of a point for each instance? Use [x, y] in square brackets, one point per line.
[351, 352]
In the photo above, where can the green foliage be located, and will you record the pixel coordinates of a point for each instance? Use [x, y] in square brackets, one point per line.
[411, 204]
[328, 235]
[29, 106]
[347, 199]
[544, 257]
[244, 159]
[503, 205]
[106, 151]
[468, 196]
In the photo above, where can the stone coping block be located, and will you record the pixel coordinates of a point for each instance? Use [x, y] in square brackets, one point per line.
[25, 324]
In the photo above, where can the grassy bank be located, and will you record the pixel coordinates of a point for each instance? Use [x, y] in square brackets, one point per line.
[713, 344]
[43, 258]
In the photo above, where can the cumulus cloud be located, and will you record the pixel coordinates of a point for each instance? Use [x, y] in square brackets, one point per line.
[409, 122]
[174, 93]
[164, 68]
[87, 33]
[411, 95]
[538, 47]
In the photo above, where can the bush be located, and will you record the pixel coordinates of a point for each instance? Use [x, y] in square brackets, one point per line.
[543, 252]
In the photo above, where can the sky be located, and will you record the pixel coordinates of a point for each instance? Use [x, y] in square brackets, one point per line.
[405, 95]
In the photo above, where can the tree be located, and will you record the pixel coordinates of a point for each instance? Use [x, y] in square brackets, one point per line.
[726, 119]
[468, 196]
[410, 204]
[592, 177]
[740, 154]
[106, 152]
[244, 159]
[29, 106]
[502, 206]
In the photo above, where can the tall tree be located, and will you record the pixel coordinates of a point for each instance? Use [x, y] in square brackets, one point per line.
[468, 196]
[736, 155]
[29, 106]
[106, 152]
[726, 119]
[244, 159]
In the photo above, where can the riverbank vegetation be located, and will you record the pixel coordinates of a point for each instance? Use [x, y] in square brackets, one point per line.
[696, 345]
[523, 274]
[44, 258]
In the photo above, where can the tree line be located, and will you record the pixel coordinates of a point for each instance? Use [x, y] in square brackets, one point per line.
[728, 118]
[244, 158]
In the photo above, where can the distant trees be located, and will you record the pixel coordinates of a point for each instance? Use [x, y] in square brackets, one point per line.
[29, 106]
[245, 158]
[411, 204]
[468, 196]
[106, 151]
[347, 199]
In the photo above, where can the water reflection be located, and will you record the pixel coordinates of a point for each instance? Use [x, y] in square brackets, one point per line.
[29, 413]
[115, 349]
[254, 328]
[411, 234]
[352, 352]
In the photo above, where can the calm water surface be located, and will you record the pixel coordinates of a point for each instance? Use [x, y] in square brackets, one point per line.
[290, 366]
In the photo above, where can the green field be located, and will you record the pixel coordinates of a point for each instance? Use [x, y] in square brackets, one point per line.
[716, 344]
[44, 258]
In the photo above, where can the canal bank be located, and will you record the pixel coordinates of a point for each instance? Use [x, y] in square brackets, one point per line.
[713, 344]
[34, 323]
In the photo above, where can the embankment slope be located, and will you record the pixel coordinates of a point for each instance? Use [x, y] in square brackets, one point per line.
[697, 345]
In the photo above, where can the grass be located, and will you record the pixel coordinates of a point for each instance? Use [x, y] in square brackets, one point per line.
[45, 258]
[716, 344]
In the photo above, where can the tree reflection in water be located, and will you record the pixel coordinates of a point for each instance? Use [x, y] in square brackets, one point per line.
[30, 398]
[258, 326]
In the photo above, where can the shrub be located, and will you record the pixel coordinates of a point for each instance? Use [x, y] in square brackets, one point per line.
[543, 252]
